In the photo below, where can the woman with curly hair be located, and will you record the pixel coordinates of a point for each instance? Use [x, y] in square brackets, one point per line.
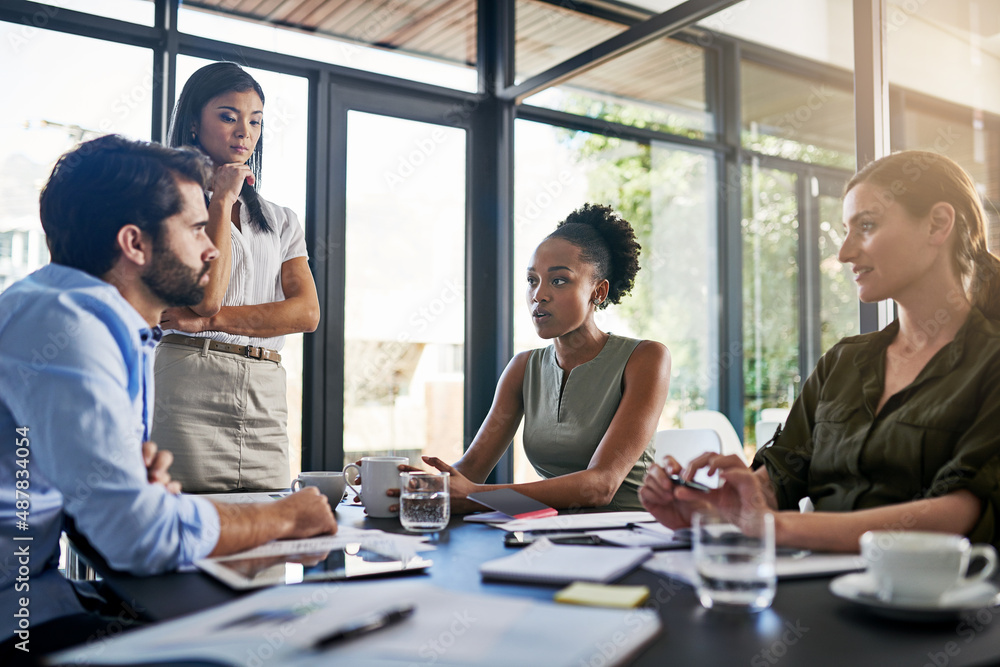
[591, 400]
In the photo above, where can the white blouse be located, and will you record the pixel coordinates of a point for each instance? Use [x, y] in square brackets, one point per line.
[255, 276]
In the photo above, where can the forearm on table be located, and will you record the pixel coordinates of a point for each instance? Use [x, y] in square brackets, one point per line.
[587, 488]
[244, 526]
[840, 531]
[293, 315]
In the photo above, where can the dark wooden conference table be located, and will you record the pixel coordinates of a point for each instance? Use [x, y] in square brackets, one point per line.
[806, 625]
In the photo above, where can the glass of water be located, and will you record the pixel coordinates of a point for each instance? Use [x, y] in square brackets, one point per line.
[424, 502]
[735, 569]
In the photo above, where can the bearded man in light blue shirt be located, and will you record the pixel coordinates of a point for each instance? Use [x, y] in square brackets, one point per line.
[125, 224]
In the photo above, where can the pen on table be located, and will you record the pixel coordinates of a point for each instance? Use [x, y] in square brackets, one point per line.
[367, 623]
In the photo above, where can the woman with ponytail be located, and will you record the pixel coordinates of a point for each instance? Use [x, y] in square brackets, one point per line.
[591, 400]
[220, 386]
[896, 429]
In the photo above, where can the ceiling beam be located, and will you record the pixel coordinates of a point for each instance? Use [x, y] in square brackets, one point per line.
[653, 28]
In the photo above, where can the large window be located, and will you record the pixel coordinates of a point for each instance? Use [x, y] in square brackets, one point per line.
[659, 86]
[404, 306]
[38, 123]
[798, 299]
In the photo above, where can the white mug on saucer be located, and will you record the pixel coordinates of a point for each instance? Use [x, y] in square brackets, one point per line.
[378, 475]
[916, 566]
[330, 484]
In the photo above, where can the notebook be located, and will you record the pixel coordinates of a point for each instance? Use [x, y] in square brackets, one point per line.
[547, 563]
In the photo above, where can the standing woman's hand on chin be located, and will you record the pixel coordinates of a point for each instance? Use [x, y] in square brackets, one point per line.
[229, 178]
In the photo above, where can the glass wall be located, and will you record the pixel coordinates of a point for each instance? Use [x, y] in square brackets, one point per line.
[38, 123]
[660, 86]
[404, 306]
[771, 369]
[798, 299]
[793, 116]
[546, 34]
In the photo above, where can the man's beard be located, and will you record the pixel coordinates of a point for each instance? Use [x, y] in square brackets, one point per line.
[172, 281]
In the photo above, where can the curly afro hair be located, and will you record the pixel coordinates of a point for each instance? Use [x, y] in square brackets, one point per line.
[607, 242]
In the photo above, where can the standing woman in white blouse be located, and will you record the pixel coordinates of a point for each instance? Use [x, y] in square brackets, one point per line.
[220, 386]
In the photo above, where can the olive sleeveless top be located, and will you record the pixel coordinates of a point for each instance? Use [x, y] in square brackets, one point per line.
[563, 426]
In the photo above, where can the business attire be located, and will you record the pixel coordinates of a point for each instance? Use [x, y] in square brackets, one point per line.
[938, 435]
[223, 413]
[76, 371]
[564, 425]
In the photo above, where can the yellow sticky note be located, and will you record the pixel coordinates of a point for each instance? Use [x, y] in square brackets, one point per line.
[603, 595]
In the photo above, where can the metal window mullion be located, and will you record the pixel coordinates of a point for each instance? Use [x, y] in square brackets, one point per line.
[164, 69]
[730, 350]
[810, 325]
[871, 105]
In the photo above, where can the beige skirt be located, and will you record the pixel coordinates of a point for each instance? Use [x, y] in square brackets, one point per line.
[224, 418]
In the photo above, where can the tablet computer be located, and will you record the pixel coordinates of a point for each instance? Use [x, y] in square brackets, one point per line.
[353, 561]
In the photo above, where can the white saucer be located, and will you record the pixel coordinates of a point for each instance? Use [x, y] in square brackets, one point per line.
[859, 587]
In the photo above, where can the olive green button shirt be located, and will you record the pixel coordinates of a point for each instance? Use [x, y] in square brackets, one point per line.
[936, 436]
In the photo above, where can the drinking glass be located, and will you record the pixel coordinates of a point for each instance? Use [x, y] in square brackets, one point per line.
[424, 503]
[735, 569]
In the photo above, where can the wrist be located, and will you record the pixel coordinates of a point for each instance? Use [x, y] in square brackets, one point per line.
[280, 520]
[784, 529]
[221, 204]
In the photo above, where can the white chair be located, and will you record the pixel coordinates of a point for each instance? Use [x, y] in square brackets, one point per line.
[712, 419]
[684, 444]
[779, 415]
[764, 431]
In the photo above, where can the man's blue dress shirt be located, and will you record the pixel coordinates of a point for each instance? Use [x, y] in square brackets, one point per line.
[76, 370]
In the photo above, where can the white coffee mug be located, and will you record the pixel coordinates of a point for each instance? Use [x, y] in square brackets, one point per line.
[922, 566]
[378, 475]
[330, 484]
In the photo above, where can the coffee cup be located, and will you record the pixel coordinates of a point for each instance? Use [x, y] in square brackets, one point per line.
[916, 566]
[330, 484]
[378, 475]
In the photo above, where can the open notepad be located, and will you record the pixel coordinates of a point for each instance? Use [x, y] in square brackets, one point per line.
[547, 563]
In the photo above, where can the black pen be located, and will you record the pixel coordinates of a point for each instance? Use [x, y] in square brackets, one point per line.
[367, 623]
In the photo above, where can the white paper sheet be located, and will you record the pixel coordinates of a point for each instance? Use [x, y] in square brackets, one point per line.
[680, 565]
[345, 535]
[244, 498]
[638, 538]
[278, 626]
